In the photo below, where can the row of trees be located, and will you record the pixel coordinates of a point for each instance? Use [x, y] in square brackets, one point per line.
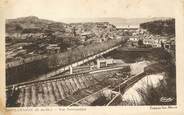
[79, 53]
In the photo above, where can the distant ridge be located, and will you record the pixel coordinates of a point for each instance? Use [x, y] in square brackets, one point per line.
[114, 20]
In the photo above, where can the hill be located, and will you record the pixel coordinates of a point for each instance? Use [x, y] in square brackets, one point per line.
[160, 27]
[31, 24]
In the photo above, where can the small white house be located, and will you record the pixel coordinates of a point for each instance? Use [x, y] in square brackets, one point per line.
[104, 62]
[133, 39]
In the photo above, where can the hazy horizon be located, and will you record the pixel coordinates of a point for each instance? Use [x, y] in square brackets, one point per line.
[76, 10]
[117, 21]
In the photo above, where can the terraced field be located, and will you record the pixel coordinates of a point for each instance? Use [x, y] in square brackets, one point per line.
[62, 91]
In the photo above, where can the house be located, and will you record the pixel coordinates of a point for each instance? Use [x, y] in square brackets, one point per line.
[53, 48]
[104, 62]
[133, 39]
[170, 44]
[128, 27]
[119, 37]
[86, 35]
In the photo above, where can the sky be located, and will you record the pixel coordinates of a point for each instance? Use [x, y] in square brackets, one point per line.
[72, 10]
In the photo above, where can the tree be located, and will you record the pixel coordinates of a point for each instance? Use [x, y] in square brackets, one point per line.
[140, 42]
[162, 44]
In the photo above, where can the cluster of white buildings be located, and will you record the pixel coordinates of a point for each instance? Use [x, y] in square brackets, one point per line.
[89, 32]
[152, 41]
[149, 40]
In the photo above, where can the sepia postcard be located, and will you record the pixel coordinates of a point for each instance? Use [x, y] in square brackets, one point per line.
[91, 57]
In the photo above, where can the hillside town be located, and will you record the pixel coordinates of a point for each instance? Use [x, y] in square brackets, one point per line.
[51, 63]
[24, 40]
